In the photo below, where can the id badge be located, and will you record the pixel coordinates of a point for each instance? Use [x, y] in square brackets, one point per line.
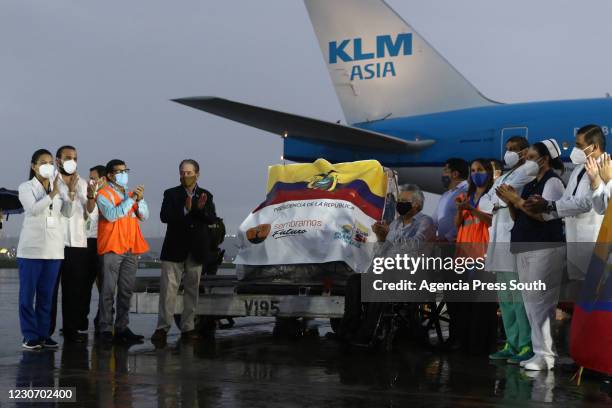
[51, 222]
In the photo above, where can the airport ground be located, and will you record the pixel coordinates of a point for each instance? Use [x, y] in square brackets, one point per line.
[247, 366]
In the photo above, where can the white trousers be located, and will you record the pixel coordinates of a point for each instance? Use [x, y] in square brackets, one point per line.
[545, 265]
[171, 275]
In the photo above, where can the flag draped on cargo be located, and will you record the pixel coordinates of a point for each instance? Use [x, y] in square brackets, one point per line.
[591, 332]
[315, 212]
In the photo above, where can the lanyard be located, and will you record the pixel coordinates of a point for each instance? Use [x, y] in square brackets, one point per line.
[51, 203]
[474, 204]
[578, 180]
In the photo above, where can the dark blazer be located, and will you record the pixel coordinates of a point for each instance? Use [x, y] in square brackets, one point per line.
[186, 233]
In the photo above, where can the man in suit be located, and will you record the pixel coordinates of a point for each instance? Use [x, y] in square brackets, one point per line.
[187, 210]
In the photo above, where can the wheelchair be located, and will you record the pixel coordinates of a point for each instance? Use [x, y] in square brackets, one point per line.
[423, 322]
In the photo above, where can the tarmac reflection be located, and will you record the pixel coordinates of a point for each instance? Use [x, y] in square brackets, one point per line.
[252, 370]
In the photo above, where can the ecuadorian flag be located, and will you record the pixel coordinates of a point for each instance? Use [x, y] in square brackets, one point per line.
[591, 332]
[362, 183]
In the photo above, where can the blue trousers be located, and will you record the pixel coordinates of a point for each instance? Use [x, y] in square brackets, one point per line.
[36, 281]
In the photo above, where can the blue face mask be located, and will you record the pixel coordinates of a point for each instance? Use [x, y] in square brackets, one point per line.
[121, 179]
[480, 179]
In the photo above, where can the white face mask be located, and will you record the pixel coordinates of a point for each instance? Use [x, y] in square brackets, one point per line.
[511, 158]
[578, 156]
[46, 171]
[530, 168]
[70, 166]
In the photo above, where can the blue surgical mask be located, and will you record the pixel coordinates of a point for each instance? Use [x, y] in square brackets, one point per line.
[121, 179]
[480, 179]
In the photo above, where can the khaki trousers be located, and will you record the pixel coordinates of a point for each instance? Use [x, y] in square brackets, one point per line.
[172, 273]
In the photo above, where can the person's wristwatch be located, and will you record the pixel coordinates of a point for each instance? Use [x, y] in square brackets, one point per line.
[551, 206]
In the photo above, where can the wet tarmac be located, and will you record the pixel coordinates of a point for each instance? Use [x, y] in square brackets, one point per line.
[247, 367]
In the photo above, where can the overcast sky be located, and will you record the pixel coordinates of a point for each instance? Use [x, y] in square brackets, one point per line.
[99, 75]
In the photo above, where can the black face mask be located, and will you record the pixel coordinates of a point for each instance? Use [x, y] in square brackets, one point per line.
[446, 181]
[403, 207]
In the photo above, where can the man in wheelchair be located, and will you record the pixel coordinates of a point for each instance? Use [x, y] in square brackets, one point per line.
[412, 228]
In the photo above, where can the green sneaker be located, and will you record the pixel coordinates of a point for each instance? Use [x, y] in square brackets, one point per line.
[503, 354]
[525, 354]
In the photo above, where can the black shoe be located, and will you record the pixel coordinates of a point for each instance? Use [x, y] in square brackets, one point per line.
[73, 336]
[159, 336]
[31, 345]
[128, 336]
[49, 343]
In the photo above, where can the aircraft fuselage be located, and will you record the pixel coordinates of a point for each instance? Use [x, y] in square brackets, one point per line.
[467, 133]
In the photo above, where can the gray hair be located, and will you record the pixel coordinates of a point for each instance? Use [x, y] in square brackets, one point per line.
[417, 194]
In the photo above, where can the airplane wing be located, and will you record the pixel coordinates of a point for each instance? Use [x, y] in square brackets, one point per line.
[300, 127]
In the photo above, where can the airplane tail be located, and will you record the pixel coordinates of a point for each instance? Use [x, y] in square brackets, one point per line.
[381, 67]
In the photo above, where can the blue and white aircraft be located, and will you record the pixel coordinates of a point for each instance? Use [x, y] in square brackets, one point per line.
[406, 105]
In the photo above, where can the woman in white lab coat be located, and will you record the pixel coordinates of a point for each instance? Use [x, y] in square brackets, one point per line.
[40, 249]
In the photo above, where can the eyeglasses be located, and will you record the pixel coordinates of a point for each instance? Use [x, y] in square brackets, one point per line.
[126, 171]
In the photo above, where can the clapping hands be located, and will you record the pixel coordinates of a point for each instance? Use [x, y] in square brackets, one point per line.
[599, 171]
[462, 203]
[202, 200]
[138, 193]
[508, 194]
[605, 168]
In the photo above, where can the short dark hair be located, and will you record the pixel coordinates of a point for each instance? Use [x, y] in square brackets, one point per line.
[35, 158]
[593, 135]
[59, 152]
[100, 169]
[110, 166]
[192, 162]
[521, 141]
[459, 165]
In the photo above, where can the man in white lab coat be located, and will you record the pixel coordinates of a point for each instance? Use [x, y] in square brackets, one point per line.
[582, 222]
[499, 259]
[72, 275]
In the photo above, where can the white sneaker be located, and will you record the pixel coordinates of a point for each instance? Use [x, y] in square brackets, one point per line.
[522, 363]
[539, 364]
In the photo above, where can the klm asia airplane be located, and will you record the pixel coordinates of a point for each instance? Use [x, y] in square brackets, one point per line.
[407, 106]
